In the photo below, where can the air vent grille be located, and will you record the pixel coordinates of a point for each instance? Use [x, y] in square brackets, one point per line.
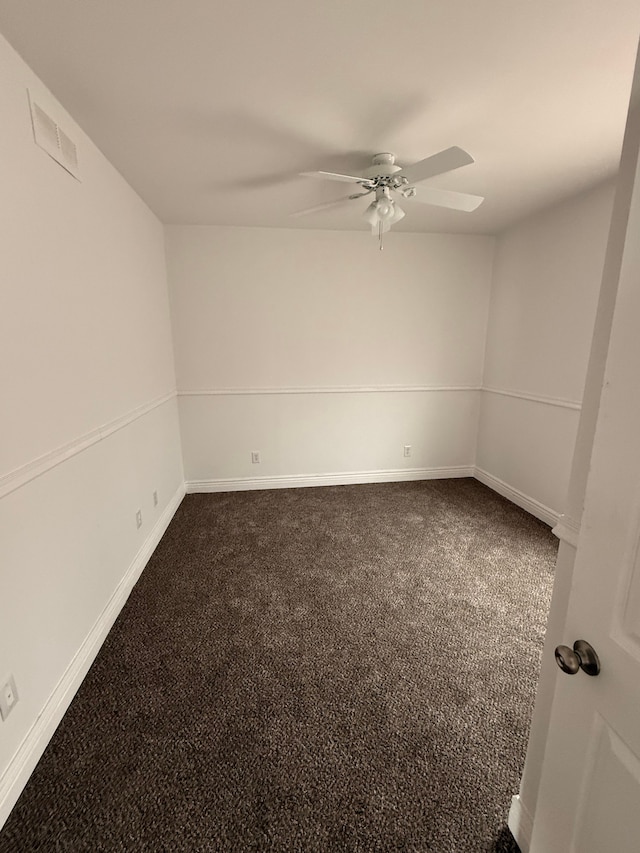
[52, 139]
[45, 128]
[68, 149]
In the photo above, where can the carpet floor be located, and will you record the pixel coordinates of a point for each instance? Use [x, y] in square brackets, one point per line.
[348, 668]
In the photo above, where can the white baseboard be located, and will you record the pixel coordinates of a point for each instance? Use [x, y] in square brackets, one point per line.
[520, 823]
[24, 761]
[297, 481]
[567, 530]
[544, 513]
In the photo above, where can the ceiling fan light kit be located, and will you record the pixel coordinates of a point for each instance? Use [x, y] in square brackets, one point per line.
[383, 213]
[384, 176]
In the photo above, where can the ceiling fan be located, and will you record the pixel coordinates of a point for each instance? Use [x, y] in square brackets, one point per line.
[385, 177]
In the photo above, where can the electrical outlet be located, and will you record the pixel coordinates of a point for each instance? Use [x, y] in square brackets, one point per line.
[407, 450]
[155, 499]
[139, 519]
[255, 457]
[8, 696]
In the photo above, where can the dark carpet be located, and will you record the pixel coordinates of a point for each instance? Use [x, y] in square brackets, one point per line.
[348, 668]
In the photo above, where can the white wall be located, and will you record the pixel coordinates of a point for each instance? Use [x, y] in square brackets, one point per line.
[547, 274]
[89, 416]
[325, 354]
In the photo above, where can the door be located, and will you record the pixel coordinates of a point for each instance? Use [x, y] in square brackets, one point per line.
[589, 797]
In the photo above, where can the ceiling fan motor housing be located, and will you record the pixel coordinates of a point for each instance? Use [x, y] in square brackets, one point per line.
[383, 166]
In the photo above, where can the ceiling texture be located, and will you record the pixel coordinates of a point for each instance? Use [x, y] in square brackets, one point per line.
[211, 109]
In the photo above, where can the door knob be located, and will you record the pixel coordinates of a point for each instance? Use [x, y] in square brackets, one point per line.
[581, 656]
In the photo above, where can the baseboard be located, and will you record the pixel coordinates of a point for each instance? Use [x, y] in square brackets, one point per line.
[567, 530]
[309, 480]
[520, 823]
[236, 484]
[23, 763]
[544, 513]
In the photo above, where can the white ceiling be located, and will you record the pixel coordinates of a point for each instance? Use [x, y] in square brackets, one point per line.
[211, 109]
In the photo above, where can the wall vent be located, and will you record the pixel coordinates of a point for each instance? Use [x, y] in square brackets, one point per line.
[52, 139]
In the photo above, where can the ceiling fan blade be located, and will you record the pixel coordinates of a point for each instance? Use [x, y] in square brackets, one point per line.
[445, 161]
[327, 204]
[333, 176]
[447, 198]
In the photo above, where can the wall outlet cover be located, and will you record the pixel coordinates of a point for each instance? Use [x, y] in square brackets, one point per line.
[8, 696]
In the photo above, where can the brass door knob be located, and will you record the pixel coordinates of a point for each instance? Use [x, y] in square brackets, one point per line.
[581, 656]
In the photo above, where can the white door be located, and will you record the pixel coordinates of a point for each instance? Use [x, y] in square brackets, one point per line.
[589, 798]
